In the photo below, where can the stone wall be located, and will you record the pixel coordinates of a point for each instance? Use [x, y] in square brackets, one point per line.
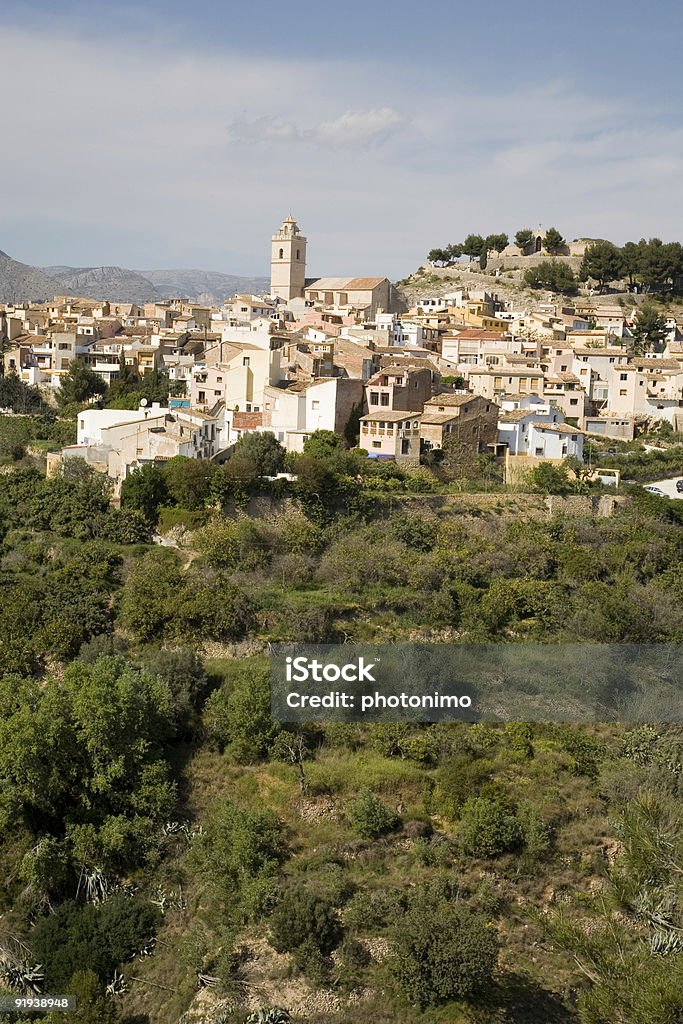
[522, 504]
[524, 262]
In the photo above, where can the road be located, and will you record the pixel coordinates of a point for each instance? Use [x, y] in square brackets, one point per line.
[668, 486]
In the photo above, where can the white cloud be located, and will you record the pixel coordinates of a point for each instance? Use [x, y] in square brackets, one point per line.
[122, 155]
[354, 127]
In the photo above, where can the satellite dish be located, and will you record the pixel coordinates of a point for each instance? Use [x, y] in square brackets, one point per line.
[143, 403]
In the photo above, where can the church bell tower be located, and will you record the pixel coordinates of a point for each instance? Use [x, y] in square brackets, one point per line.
[288, 261]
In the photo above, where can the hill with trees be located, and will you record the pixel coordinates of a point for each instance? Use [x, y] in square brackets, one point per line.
[171, 854]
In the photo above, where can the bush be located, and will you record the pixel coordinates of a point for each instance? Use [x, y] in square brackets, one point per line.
[145, 490]
[552, 274]
[460, 778]
[488, 828]
[103, 937]
[263, 450]
[14, 437]
[183, 672]
[234, 544]
[369, 817]
[188, 481]
[241, 847]
[304, 924]
[550, 479]
[443, 952]
[238, 718]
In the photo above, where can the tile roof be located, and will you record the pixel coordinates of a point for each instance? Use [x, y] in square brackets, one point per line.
[390, 415]
[515, 415]
[446, 398]
[557, 428]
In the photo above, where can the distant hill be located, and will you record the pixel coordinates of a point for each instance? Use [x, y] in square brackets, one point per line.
[115, 283]
[20, 282]
[206, 286]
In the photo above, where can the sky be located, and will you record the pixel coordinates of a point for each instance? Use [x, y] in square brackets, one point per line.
[167, 134]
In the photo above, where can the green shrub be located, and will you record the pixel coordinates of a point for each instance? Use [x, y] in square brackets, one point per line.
[241, 846]
[103, 937]
[444, 951]
[304, 924]
[458, 780]
[369, 817]
[488, 828]
[237, 717]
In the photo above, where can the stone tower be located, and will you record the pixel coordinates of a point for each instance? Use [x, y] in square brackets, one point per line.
[288, 261]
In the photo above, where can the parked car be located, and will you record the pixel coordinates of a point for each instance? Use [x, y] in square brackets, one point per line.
[651, 489]
[679, 485]
[611, 451]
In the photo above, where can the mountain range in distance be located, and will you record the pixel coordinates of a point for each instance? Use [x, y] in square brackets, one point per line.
[20, 282]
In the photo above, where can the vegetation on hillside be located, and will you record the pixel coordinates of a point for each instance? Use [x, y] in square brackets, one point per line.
[164, 839]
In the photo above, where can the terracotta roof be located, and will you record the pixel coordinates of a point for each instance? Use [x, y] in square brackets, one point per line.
[390, 415]
[518, 395]
[557, 428]
[515, 415]
[600, 351]
[446, 398]
[247, 420]
[662, 364]
[344, 284]
[473, 334]
[364, 283]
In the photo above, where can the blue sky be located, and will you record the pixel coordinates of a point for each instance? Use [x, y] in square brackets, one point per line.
[178, 134]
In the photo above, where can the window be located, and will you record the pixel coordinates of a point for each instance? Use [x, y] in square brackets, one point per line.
[538, 451]
[315, 405]
[376, 444]
[623, 392]
[563, 368]
[374, 398]
[384, 400]
[298, 254]
[282, 253]
[245, 360]
[623, 376]
[573, 401]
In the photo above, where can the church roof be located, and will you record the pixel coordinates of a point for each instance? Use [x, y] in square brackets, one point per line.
[346, 284]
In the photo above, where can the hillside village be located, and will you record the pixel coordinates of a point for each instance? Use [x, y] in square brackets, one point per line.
[173, 853]
[523, 378]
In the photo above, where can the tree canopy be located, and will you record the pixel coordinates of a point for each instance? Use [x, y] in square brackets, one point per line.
[80, 384]
[553, 241]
